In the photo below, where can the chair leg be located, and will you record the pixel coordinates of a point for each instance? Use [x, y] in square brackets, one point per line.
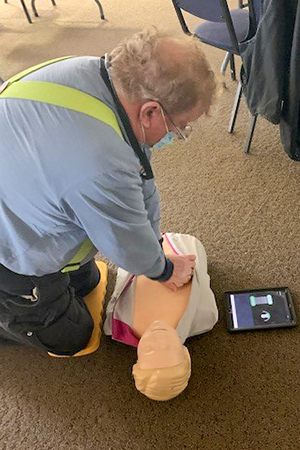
[250, 136]
[235, 108]
[225, 62]
[34, 8]
[26, 11]
[232, 67]
[100, 9]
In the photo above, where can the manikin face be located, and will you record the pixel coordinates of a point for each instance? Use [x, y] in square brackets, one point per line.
[160, 347]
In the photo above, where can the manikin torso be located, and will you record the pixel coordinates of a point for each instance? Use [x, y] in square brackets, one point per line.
[145, 314]
[157, 311]
[153, 301]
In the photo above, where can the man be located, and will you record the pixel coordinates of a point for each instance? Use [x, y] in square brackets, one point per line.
[66, 176]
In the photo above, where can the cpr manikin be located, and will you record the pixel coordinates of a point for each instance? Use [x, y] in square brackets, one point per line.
[163, 368]
[146, 314]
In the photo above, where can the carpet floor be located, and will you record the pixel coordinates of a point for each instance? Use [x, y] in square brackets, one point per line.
[245, 209]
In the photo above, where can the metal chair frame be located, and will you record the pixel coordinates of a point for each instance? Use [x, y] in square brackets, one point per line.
[54, 4]
[229, 58]
[24, 9]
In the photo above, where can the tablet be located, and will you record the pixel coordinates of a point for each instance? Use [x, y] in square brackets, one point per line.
[260, 309]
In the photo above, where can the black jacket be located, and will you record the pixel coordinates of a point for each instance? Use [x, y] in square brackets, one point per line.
[271, 70]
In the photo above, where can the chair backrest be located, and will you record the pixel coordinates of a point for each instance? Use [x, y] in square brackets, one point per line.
[204, 9]
[210, 10]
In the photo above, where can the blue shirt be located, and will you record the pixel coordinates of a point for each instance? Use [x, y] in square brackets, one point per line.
[65, 176]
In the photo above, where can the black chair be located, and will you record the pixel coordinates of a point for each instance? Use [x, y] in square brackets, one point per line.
[223, 29]
[54, 4]
[242, 4]
[256, 10]
[24, 9]
[229, 56]
[34, 8]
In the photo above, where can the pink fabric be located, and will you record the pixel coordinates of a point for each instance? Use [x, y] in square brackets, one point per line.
[123, 333]
[129, 281]
[170, 244]
[120, 330]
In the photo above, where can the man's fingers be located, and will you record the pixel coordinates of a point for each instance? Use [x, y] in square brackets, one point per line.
[184, 266]
[190, 267]
[172, 287]
[191, 257]
[193, 265]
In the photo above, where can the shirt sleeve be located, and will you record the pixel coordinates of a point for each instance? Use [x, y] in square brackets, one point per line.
[112, 210]
[152, 205]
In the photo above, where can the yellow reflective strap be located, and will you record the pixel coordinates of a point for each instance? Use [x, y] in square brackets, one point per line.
[68, 98]
[65, 97]
[83, 251]
[25, 72]
[70, 268]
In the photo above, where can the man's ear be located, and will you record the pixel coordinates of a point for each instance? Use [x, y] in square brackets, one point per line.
[149, 113]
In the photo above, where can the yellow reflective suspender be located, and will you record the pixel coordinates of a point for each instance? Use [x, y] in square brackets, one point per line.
[83, 251]
[65, 97]
[25, 72]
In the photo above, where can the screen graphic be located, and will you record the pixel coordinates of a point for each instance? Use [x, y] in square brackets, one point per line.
[259, 309]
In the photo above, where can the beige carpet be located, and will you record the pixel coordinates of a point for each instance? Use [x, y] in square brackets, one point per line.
[244, 392]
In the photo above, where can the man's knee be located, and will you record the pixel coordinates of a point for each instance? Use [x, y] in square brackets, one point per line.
[63, 326]
[69, 333]
[85, 279]
[55, 319]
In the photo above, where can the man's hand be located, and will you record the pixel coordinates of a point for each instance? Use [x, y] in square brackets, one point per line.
[183, 271]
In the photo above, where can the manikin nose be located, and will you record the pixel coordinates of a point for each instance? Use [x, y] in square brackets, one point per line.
[159, 325]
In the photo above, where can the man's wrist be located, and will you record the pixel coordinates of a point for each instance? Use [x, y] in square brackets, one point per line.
[167, 273]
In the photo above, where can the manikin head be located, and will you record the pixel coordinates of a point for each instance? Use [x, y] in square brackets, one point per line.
[163, 368]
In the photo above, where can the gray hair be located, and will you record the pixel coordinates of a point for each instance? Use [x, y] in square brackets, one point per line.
[153, 65]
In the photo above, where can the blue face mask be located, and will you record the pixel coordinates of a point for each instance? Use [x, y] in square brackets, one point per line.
[167, 139]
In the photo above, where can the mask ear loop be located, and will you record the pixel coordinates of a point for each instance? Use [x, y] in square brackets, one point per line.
[163, 115]
[165, 122]
[180, 135]
[143, 133]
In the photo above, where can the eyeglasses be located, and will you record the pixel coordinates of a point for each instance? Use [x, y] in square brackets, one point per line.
[185, 133]
[181, 134]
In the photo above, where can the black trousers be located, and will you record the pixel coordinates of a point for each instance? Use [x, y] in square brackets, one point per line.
[48, 312]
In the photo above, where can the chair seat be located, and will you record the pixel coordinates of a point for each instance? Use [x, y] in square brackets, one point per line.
[217, 35]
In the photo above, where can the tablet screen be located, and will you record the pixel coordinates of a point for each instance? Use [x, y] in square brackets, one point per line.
[259, 309]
